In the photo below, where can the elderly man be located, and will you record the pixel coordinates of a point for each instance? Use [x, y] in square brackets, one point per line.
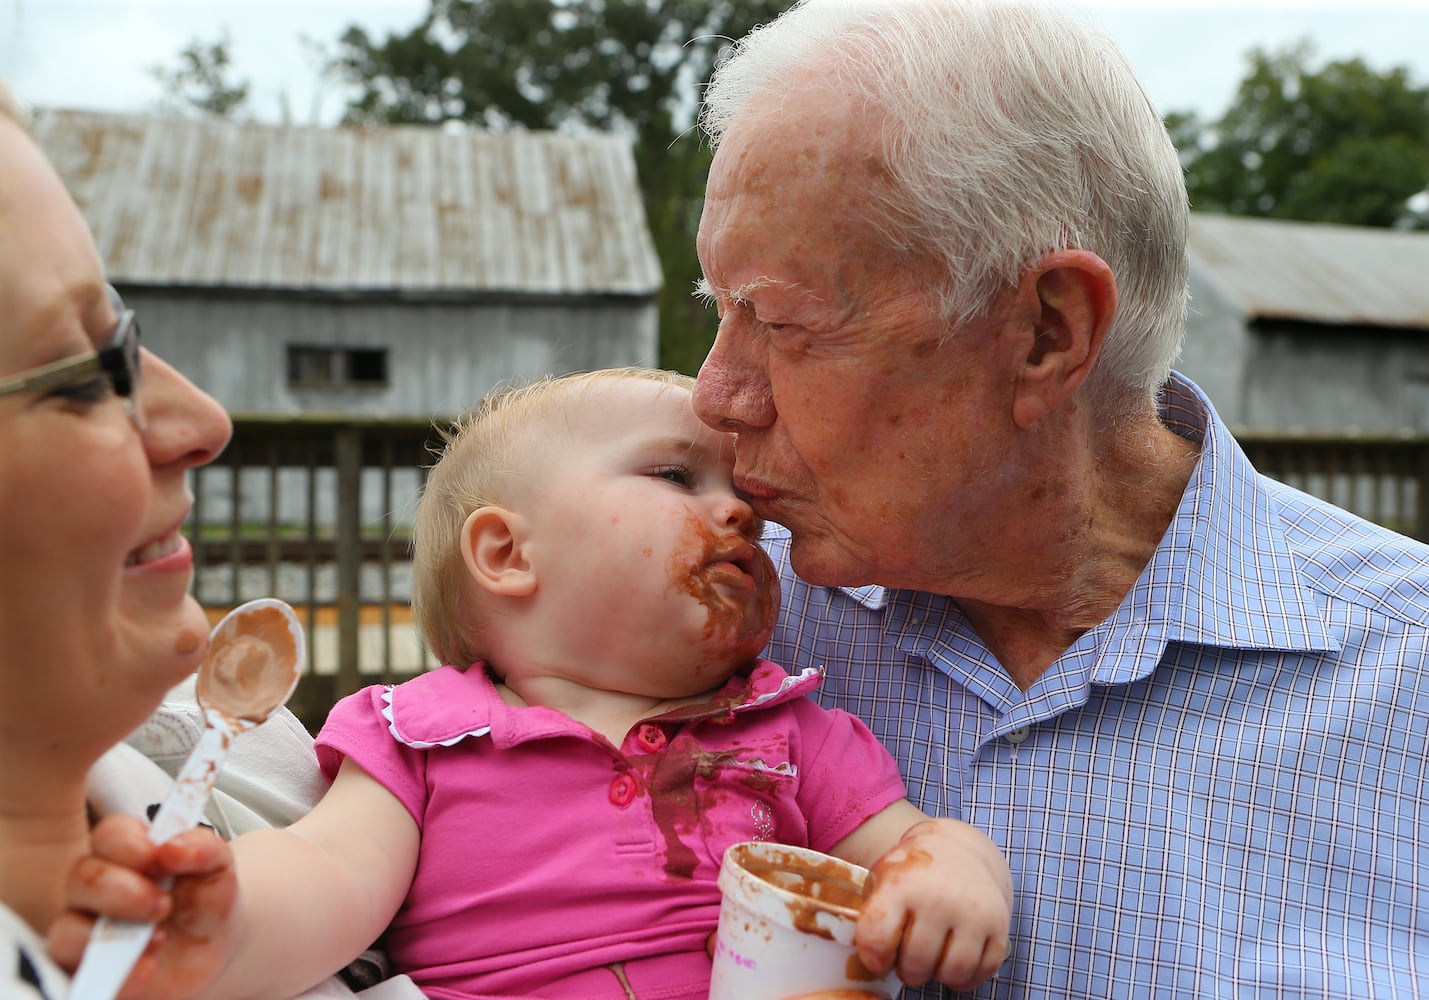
[947, 243]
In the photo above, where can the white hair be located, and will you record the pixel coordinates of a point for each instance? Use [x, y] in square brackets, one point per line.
[1010, 130]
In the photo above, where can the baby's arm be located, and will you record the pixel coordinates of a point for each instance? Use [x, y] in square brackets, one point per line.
[309, 898]
[941, 902]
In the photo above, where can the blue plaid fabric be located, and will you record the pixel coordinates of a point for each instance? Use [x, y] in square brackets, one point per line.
[1221, 790]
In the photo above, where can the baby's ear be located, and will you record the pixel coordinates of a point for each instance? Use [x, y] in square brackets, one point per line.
[493, 548]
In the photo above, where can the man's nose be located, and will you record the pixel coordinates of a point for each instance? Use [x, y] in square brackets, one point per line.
[732, 390]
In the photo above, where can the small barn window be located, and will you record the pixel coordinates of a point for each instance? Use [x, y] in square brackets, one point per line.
[310, 366]
[367, 366]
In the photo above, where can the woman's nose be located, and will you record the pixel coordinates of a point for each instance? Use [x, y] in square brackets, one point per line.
[183, 425]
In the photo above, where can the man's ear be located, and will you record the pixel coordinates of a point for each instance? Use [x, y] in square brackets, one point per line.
[493, 548]
[1073, 298]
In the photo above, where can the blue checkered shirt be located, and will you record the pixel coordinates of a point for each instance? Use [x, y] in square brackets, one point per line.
[1219, 791]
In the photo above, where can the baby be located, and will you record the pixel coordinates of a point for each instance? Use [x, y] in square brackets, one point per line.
[546, 816]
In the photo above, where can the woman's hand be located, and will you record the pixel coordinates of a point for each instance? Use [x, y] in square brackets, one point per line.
[120, 880]
[940, 907]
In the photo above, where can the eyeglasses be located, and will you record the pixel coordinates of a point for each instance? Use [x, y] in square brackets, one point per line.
[118, 361]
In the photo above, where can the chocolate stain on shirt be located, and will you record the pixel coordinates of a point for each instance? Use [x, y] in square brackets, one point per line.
[679, 782]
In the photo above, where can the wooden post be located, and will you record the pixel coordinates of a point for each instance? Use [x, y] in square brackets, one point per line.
[1421, 490]
[348, 456]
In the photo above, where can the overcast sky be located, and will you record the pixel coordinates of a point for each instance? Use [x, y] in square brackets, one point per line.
[96, 53]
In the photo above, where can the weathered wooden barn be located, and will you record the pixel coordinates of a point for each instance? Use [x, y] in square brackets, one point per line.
[1306, 327]
[361, 274]
[397, 271]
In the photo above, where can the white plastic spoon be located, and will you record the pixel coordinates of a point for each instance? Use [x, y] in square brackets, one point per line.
[255, 656]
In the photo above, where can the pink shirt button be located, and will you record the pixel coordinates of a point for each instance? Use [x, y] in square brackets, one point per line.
[622, 790]
[650, 736]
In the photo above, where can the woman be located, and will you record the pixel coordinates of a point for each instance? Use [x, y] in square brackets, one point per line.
[96, 622]
[97, 627]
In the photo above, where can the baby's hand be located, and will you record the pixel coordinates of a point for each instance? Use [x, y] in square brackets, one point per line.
[119, 880]
[940, 907]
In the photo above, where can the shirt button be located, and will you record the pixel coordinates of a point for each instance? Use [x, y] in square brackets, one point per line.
[622, 790]
[650, 736]
[1018, 736]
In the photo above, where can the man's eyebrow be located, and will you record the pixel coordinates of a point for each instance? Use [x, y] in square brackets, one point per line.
[738, 293]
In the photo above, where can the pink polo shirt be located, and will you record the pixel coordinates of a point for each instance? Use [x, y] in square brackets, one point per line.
[549, 854]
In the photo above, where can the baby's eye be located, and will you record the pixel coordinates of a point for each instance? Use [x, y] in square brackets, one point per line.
[90, 390]
[677, 474]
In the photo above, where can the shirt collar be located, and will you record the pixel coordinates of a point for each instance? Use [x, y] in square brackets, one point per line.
[445, 706]
[1224, 574]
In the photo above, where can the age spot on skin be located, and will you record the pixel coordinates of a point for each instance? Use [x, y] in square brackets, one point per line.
[186, 643]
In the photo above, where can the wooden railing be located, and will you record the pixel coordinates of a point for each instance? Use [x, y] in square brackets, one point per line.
[1382, 478]
[317, 511]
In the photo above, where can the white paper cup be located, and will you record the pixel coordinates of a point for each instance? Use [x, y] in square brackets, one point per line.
[786, 925]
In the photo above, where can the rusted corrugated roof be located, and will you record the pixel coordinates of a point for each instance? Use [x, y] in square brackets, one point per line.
[1314, 272]
[175, 201]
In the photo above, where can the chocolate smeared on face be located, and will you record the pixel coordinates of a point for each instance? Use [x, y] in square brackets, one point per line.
[734, 580]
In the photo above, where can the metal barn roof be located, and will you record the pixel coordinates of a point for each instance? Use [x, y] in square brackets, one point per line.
[175, 201]
[1315, 272]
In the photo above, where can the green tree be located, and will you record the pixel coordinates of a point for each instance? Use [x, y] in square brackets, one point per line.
[1342, 143]
[201, 80]
[626, 65]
